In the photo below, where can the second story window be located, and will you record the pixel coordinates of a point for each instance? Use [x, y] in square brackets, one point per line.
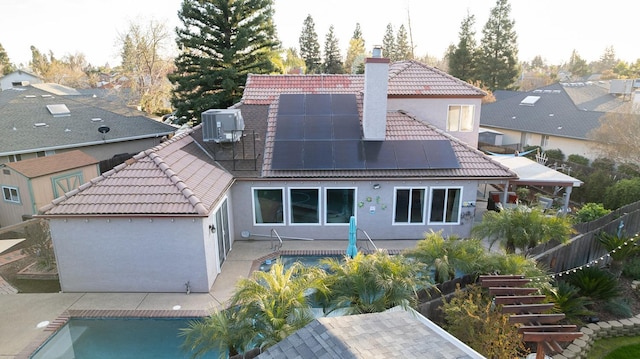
[460, 118]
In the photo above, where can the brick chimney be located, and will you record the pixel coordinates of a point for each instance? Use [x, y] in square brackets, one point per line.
[376, 80]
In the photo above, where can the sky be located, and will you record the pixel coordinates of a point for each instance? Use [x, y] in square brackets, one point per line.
[549, 28]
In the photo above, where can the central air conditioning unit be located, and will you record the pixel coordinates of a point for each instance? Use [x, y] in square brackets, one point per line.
[222, 125]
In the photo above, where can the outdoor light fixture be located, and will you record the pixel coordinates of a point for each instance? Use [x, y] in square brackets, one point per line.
[376, 186]
[212, 228]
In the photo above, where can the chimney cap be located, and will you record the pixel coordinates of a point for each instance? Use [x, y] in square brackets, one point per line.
[377, 51]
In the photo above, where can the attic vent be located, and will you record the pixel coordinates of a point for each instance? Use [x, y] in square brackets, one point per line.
[40, 124]
[59, 110]
[96, 120]
[6, 172]
[46, 96]
[529, 100]
[30, 96]
[20, 83]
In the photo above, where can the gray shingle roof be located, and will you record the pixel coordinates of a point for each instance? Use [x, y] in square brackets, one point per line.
[391, 334]
[21, 109]
[553, 114]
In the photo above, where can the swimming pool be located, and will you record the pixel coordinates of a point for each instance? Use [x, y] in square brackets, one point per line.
[306, 260]
[111, 338]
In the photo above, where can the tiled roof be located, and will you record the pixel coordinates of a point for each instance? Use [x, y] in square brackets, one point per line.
[36, 167]
[25, 107]
[174, 178]
[400, 126]
[554, 114]
[264, 89]
[412, 78]
[391, 334]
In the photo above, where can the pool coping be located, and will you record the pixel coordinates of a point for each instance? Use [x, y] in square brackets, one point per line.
[310, 252]
[64, 318]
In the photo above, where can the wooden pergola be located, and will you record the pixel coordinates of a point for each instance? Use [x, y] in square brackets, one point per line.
[525, 307]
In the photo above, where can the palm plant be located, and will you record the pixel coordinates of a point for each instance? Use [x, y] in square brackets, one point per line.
[372, 283]
[595, 283]
[568, 300]
[522, 228]
[446, 255]
[619, 250]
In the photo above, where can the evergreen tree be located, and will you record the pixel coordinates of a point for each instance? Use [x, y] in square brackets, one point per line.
[498, 62]
[292, 62]
[356, 52]
[39, 62]
[403, 49]
[462, 58]
[577, 65]
[607, 61]
[389, 43]
[332, 63]
[310, 47]
[221, 42]
[5, 64]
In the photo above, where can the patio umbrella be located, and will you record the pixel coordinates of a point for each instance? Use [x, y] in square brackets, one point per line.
[352, 250]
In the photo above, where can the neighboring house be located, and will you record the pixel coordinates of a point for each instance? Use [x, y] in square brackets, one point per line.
[18, 78]
[44, 119]
[30, 184]
[301, 156]
[395, 333]
[558, 116]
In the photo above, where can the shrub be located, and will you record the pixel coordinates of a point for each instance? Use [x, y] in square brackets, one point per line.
[567, 300]
[555, 154]
[581, 160]
[595, 283]
[629, 169]
[590, 212]
[619, 307]
[631, 268]
[622, 193]
[603, 164]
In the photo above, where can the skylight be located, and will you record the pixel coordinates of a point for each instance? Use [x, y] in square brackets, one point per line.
[530, 100]
[59, 110]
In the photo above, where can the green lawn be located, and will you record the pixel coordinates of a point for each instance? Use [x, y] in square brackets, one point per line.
[615, 348]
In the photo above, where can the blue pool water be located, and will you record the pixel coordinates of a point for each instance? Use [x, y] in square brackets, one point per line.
[306, 260]
[121, 338]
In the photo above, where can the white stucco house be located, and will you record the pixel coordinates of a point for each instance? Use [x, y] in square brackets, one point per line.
[18, 78]
[299, 154]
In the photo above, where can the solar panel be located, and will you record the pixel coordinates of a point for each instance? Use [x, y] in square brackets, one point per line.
[379, 155]
[317, 155]
[440, 154]
[290, 127]
[346, 127]
[318, 128]
[411, 155]
[291, 104]
[348, 155]
[287, 155]
[344, 104]
[318, 104]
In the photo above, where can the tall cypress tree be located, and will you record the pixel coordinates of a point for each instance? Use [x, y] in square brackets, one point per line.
[403, 49]
[5, 64]
[221, 41]
[332, 63]
[462, 58]
[389, 43]
[310, 47]
[498, 62]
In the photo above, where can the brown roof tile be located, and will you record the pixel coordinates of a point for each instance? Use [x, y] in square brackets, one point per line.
[37, 167]
[164, 180]
[412, 78]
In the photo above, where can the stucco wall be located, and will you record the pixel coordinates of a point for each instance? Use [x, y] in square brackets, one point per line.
[435, 112]
[569, 146]
[140, 255]
[376, 221]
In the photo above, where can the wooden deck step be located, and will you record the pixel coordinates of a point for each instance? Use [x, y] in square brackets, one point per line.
[519, 299]
[527, 308]
[548, 328]
[536, 318]
[504, 282]
[511, 290]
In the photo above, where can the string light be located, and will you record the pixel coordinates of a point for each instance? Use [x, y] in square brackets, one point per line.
[587, 265]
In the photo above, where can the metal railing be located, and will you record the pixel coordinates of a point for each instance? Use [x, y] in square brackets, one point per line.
[277, 245]
[368, 238]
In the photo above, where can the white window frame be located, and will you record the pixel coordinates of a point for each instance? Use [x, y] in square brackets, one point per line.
[424, 205]
[544, 141]
[14, 158]
[459, 125]
[319, 209]
[11, 197]
[326, 205]
[444, 221]
[284, 206]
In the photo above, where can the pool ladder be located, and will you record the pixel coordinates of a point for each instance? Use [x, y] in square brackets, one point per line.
[368, 238]
[277, 246]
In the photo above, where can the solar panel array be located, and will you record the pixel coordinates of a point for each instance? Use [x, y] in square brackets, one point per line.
[322, 132]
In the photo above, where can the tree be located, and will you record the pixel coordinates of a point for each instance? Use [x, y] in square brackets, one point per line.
[624, 192]
[310, 47]
[5, 64]
[41, 246]
[332, 63]
[221, 42]
[372, 283]
[389, 43]
[522, 228]
[292, 62]
[607, 61]
[577, 65]
[39, 62]
[403, 50]
[462, 58]
[355, 53]
[143, 62]
[617, 136]
[498, 60]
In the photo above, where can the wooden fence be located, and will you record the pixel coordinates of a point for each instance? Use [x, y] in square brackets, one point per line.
[585, 247]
